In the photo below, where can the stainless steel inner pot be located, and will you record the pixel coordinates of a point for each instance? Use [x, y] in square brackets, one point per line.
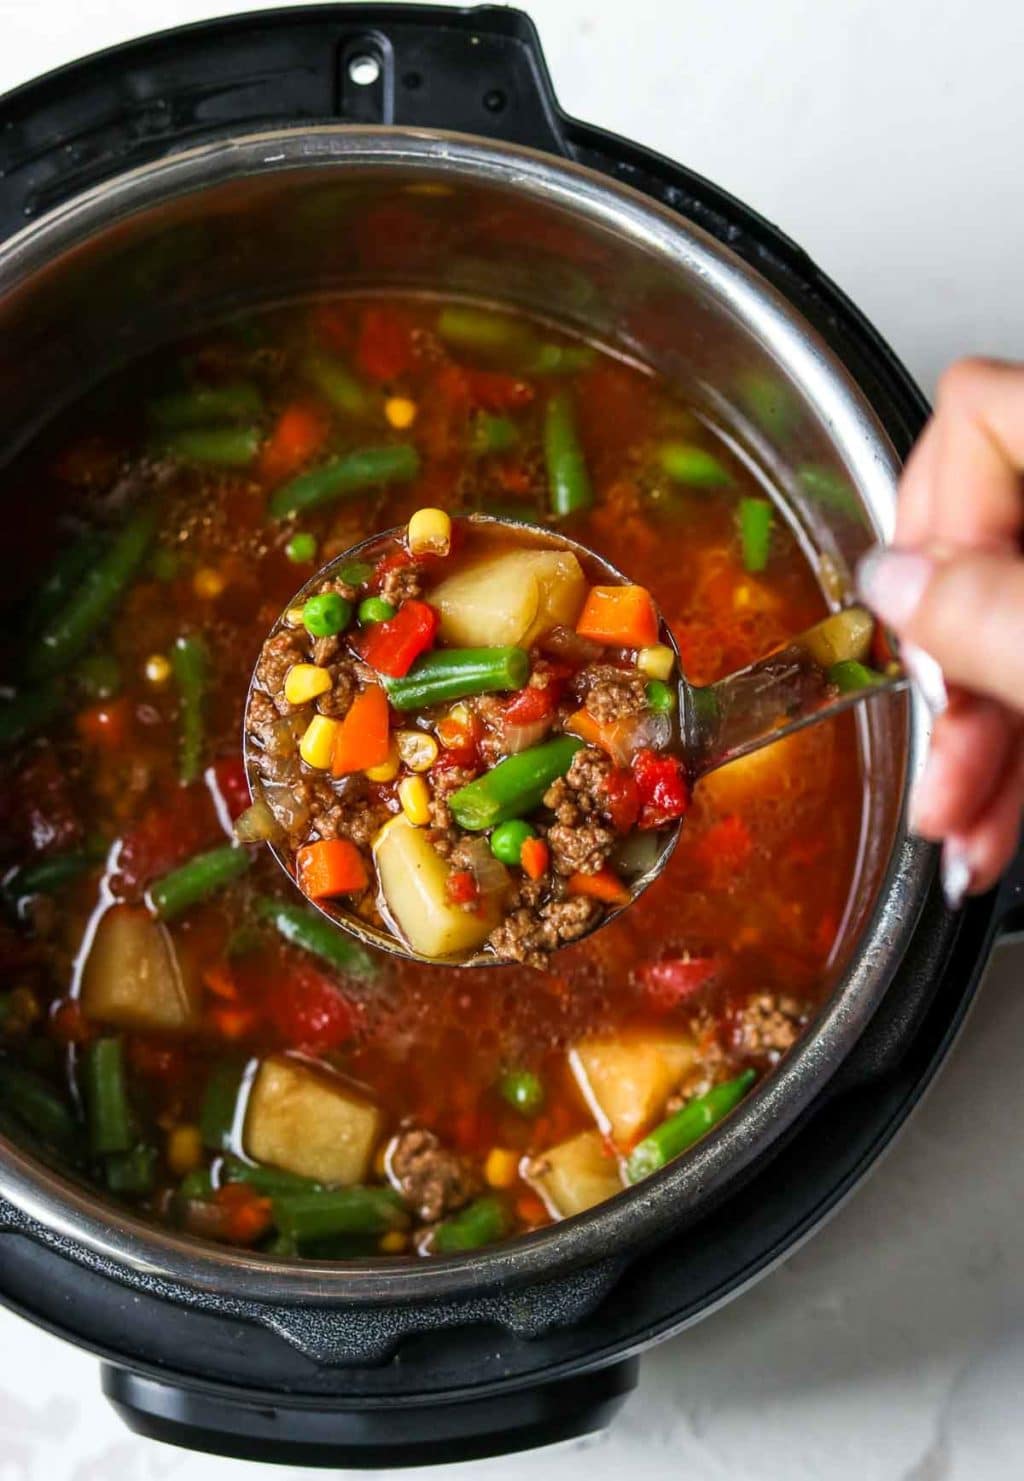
[272, 217]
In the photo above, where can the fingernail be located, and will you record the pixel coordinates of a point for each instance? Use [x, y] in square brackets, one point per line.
[956, 873]
[921, 798]
[892, 582]
[927, 675]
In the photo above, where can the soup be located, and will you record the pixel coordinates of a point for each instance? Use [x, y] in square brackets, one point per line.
[178, 1027]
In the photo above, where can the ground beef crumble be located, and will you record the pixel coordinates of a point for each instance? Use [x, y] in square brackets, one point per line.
[286, 647]
[337, 700]
[613, 693]
[446, 781]
[580, 848]
[767, 1025]
[529, 936]
[401, 584]
[578, 794]
[432, 1180]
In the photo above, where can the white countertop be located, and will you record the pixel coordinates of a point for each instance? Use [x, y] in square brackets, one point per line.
[885, 137]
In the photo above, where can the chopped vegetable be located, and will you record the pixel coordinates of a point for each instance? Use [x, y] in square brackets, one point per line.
[208, 583]
[417, 749]
[429, 532]
[304, 681]
[604, 885]
[326, 613]
[574, 1175]
[105, 725]
[310, 932]
[492, 434]
[535, 857]
[523, 1091]
[624, 616]
[190, 666]
[201, 877]
[240, 402]
[50, 874]
[66, 630]
[309, 1122]
[656, 662]
[134, 978]
[662, 787]
[269, 1180]
[363, 738]
[400, 412]
[455, 673]
[106, 1097]
[320, 1213]
[756, 519]
[514, 787]
[849, 676]
[568, 480]
[501, 1167]
[317, 744]
[845, 636]
[301, 548]
[374, 609]
[414, 884]
[686, 1126]
[299, 435]
[414, 795]
[133, 1171]
[221, 1100]
[392, 646]
[331, 866]
[184, 1149]
[215, 447]
[485, 332]
[508, 838]
[675, 980]
[695, 466]
[349, 473]
[38, 1107]
[388, 769]
[627, 1080]
[338, 385]
[660, 698]
[479, 1223]
[356, 573]
[511, 598]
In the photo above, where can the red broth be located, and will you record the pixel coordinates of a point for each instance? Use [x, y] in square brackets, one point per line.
[713, 972]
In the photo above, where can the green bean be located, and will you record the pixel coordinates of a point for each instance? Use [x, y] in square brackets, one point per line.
[485, 332]
[756, 519]
[769, 402]
[685, 463]
[829, 488]
[456, 673]
[490, 434]
[338, 385]
[311, 932]
[133, 1171]
[189, 664]
[220, 1104]
[550, 359]
[523, 1091]
[568, 480]
[106, 1097]
[28, 712]
[849, 676]
[514, 786]
[38, 1107]
[270, 1180]
[686, 1126]
[199, 877]
[216, 447]
[240, 402]
[63, 575]
[49, 875]
[395, 462]
[355, 1210]
[479, 1223]
[69, 626]
[196, 1184]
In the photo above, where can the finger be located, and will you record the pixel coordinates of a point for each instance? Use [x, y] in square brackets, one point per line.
[914, 520]
[973, 861]
[978, 455]
[967, 612]
[970, 747]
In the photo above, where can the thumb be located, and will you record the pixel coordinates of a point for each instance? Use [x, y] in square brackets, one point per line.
[966, 610]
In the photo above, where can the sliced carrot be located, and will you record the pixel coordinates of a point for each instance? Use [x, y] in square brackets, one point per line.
[534, 857]
[300, 433]
[604, 885]
[246, 1214]
[363, 737]
[219, 980]
[624, 616]
[232, 1023]
[332, 866]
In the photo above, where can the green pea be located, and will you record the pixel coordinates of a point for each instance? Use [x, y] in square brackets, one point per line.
[99, 674]
[326, 614]
[660, 699]
[523, 1091]
[374, 609]
[301, 548]
[508, 838]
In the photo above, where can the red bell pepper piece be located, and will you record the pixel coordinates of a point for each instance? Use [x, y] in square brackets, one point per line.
[620, 799]
[535, 702]
[384, 349]
[308, 1012]
[669, 983]
[664, 794]
[461, 887]
[392, 647]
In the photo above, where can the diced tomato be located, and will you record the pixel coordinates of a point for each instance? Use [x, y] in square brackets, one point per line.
[228, 777]
[461, 887]
[384, 349]
[535, 702]
[105, 725]
[668, 983]
[459, 753]
[165, 836]
[299, 434]
[664, 794]
[392, 647]
[620, 799]
[496, 391]
[245, 1214]
[68, 1024]
[308, 1011]
[233, 1023]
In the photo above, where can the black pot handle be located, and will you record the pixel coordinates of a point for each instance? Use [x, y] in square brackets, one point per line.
[258, 1426]
[477, 69]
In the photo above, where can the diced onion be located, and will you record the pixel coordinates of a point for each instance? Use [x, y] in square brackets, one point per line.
[522, 737]
[257, 824]
[490, 874]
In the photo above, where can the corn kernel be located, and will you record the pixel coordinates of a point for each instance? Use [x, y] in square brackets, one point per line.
[400, 412]
[317, 744]
[414, 795]
[293, 617]
[393, 1243]
[417, 749]
[430, 532]
[461, 715]
[387, 770]
[304, 681]
[208, 583]
[184, 1149]
[157, 669]
[656, 662]
[501, 1167]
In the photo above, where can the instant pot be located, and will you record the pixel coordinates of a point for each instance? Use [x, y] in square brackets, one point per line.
[259, 158]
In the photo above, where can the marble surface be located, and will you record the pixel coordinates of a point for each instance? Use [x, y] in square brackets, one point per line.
[884, 136]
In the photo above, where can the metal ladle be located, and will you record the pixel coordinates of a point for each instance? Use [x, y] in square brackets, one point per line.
[718, 723]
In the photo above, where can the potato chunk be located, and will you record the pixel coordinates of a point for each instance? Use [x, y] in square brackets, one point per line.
[412, 878]
[135, 978]
[574, 1175]
[309, 1121]
[626, 1081]
[510, 599]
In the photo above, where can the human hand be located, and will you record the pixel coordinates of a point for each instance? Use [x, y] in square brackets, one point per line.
[953, 585]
